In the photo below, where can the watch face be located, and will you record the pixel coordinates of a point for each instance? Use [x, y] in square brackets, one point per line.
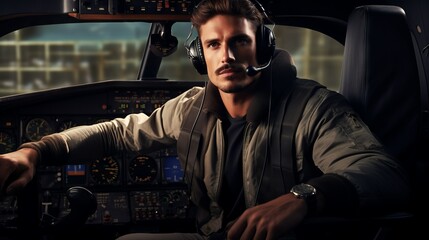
[303, 190]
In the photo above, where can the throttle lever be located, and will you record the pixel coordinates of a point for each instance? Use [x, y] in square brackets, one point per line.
[82, 203]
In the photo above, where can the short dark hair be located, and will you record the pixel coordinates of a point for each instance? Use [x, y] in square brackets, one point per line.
[207, 9]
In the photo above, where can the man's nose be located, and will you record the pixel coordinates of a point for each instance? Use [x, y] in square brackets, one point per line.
[228, 54]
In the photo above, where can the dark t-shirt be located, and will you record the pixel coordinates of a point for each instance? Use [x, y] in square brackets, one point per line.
[232, 186]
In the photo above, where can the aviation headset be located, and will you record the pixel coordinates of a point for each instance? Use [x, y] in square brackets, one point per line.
[265, 45]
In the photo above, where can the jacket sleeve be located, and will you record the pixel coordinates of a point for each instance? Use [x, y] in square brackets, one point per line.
[358, 175]
[135, 133]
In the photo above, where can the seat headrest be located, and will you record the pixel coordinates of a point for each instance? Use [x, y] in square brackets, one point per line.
[380, 75]
[282, 64]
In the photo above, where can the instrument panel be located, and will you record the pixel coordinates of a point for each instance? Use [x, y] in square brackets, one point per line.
[131, 189]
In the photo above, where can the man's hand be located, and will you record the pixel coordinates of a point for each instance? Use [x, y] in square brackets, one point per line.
[270, 220]
[17, 169]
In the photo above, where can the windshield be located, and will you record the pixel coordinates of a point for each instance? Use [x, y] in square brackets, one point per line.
[51, 56]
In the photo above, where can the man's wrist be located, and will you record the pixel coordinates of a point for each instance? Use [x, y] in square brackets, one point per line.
[308, 193]
[33, 154]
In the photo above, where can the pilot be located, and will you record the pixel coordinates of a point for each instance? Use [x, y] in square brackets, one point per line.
[341, 169]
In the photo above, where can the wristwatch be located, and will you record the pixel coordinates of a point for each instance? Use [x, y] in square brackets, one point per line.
[308, 193]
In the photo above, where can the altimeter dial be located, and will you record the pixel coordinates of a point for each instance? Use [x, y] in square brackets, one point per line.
[105, 171]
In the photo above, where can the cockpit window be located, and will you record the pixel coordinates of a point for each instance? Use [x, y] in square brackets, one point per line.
[316, 55]
[51, 56]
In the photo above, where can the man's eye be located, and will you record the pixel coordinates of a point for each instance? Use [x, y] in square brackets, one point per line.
[213, 45]
[242, 41]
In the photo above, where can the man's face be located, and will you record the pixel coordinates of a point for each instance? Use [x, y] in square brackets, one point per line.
[229, 47]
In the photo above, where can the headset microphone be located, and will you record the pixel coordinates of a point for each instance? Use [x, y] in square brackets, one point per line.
[252, 71]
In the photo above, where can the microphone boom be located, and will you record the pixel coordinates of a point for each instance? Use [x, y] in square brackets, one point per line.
[252, 71]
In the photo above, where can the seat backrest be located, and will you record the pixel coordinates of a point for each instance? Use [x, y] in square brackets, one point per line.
[380, 79]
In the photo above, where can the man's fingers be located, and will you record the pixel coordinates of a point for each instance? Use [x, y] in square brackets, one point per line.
[16, 169]
[260, 234]
[17, 181]
[5, 172]
[235, 231]
[13, 188]
[17, 184]
[249, 233]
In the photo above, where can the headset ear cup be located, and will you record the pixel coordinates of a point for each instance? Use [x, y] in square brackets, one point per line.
[196, 55]
[265, 44]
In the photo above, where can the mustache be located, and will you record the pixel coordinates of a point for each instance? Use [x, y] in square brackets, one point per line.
[234, 67]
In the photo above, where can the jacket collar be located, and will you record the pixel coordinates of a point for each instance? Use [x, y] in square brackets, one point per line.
[274, 81]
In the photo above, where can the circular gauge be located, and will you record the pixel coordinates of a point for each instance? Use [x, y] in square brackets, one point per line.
[143, 169]
[7, 142]
[66, 125]
[105, 171]
[37, 128]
